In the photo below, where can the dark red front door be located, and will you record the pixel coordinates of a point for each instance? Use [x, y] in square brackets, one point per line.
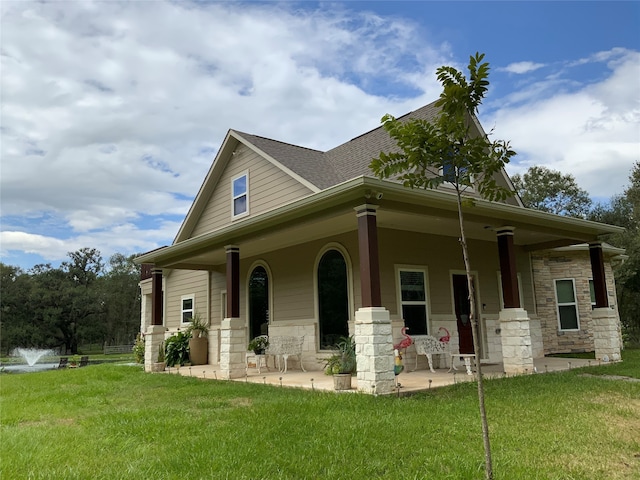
[463, 308]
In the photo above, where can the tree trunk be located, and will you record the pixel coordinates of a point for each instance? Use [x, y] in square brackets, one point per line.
[476, 344]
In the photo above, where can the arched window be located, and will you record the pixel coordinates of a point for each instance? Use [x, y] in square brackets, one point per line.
[258, 302]
[333, 298]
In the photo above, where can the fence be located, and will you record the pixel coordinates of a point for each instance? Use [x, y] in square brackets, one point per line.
[111, 349]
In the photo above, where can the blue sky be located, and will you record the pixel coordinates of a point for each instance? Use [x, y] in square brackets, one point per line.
[112, 112]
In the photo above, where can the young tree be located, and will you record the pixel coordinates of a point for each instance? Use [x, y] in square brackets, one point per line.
[551, 191]
[448, 150]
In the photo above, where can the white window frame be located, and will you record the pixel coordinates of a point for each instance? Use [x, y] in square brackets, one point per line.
[566, 304]
[401, 303]
[183, 310]
[235, 197]
[501, 293]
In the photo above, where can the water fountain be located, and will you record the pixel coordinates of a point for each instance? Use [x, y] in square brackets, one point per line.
[31, 356]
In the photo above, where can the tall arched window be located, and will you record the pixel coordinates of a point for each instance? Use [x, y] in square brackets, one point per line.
[258, 302]
[333, 298]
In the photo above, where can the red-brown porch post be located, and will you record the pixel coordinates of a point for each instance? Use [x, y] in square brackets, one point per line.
[372, 326]
[156, 296]
[597, 269]
[508, 269]
[233, 281]
[369, 263]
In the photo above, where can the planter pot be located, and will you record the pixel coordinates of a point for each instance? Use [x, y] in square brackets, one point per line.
[342, 381]
[158, 366]
[198, 350]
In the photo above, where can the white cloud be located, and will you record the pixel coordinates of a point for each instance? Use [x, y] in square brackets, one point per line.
[523, 67]
[106, 120]
[123, 238]
[591, 132]
[110, 126]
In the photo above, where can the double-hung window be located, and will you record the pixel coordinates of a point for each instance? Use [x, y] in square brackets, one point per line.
[240, 195]
[187, 306]
[567, 305]
[413, 300]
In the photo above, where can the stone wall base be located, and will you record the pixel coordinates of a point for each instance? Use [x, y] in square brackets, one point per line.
[153, 342]
[606, 338]
[233, 348]
[374, 350]
[517, 353]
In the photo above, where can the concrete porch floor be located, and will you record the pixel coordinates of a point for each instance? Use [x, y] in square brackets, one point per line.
[410, 381]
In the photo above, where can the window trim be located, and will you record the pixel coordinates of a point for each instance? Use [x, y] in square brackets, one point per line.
[191, 297]
[566, 304]
[234, 197]
[427, 297]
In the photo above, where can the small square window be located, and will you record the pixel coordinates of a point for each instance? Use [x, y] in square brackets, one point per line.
[187, 308]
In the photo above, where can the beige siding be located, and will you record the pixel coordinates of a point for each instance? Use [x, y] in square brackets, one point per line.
[218, 285]
[184, 282]
[269, 187]
[292, 271]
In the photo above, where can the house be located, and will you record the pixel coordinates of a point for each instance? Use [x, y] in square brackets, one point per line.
[293, 241]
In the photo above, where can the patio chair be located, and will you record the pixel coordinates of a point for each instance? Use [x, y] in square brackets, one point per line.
[285, 346]
[84, 361]
[64, 361]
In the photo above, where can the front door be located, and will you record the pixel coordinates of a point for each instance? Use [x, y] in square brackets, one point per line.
[463, 309]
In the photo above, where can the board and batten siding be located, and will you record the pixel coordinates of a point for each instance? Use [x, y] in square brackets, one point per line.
[269, 187]
[184, 282]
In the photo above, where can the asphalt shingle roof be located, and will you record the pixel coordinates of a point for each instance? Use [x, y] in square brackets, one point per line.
[342, 163]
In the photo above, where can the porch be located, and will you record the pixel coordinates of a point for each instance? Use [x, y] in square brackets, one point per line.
[410, 381]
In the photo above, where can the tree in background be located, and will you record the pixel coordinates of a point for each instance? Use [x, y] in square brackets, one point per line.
[553, 192]
[121, 297]
[75, 304]
[447, 150]
[17, 318]
[624, 210]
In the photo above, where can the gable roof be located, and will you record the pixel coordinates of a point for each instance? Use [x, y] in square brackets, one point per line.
[340, 164]
[316, 169]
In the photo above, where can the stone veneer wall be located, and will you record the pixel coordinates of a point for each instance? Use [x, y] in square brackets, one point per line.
[551, 265]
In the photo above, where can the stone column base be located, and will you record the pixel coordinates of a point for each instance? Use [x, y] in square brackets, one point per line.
[233, 347]
[606, 340]
[517, 353]
[153, 342]
[374, 350]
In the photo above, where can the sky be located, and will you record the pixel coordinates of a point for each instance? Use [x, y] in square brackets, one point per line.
[112, 112]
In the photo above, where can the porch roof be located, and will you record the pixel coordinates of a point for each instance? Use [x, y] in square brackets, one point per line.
[330, 212]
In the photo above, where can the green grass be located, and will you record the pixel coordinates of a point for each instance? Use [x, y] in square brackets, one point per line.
[111, 422]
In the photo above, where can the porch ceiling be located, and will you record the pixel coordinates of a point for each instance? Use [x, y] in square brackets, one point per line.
[331, 212]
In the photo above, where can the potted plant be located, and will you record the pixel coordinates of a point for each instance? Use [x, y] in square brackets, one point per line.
[176, 349]
[259, 344]
[160, 365]
[342, 364]
[198, 332]
[198, 327]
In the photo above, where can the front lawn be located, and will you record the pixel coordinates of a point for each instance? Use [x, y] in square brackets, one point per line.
[111, 422]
